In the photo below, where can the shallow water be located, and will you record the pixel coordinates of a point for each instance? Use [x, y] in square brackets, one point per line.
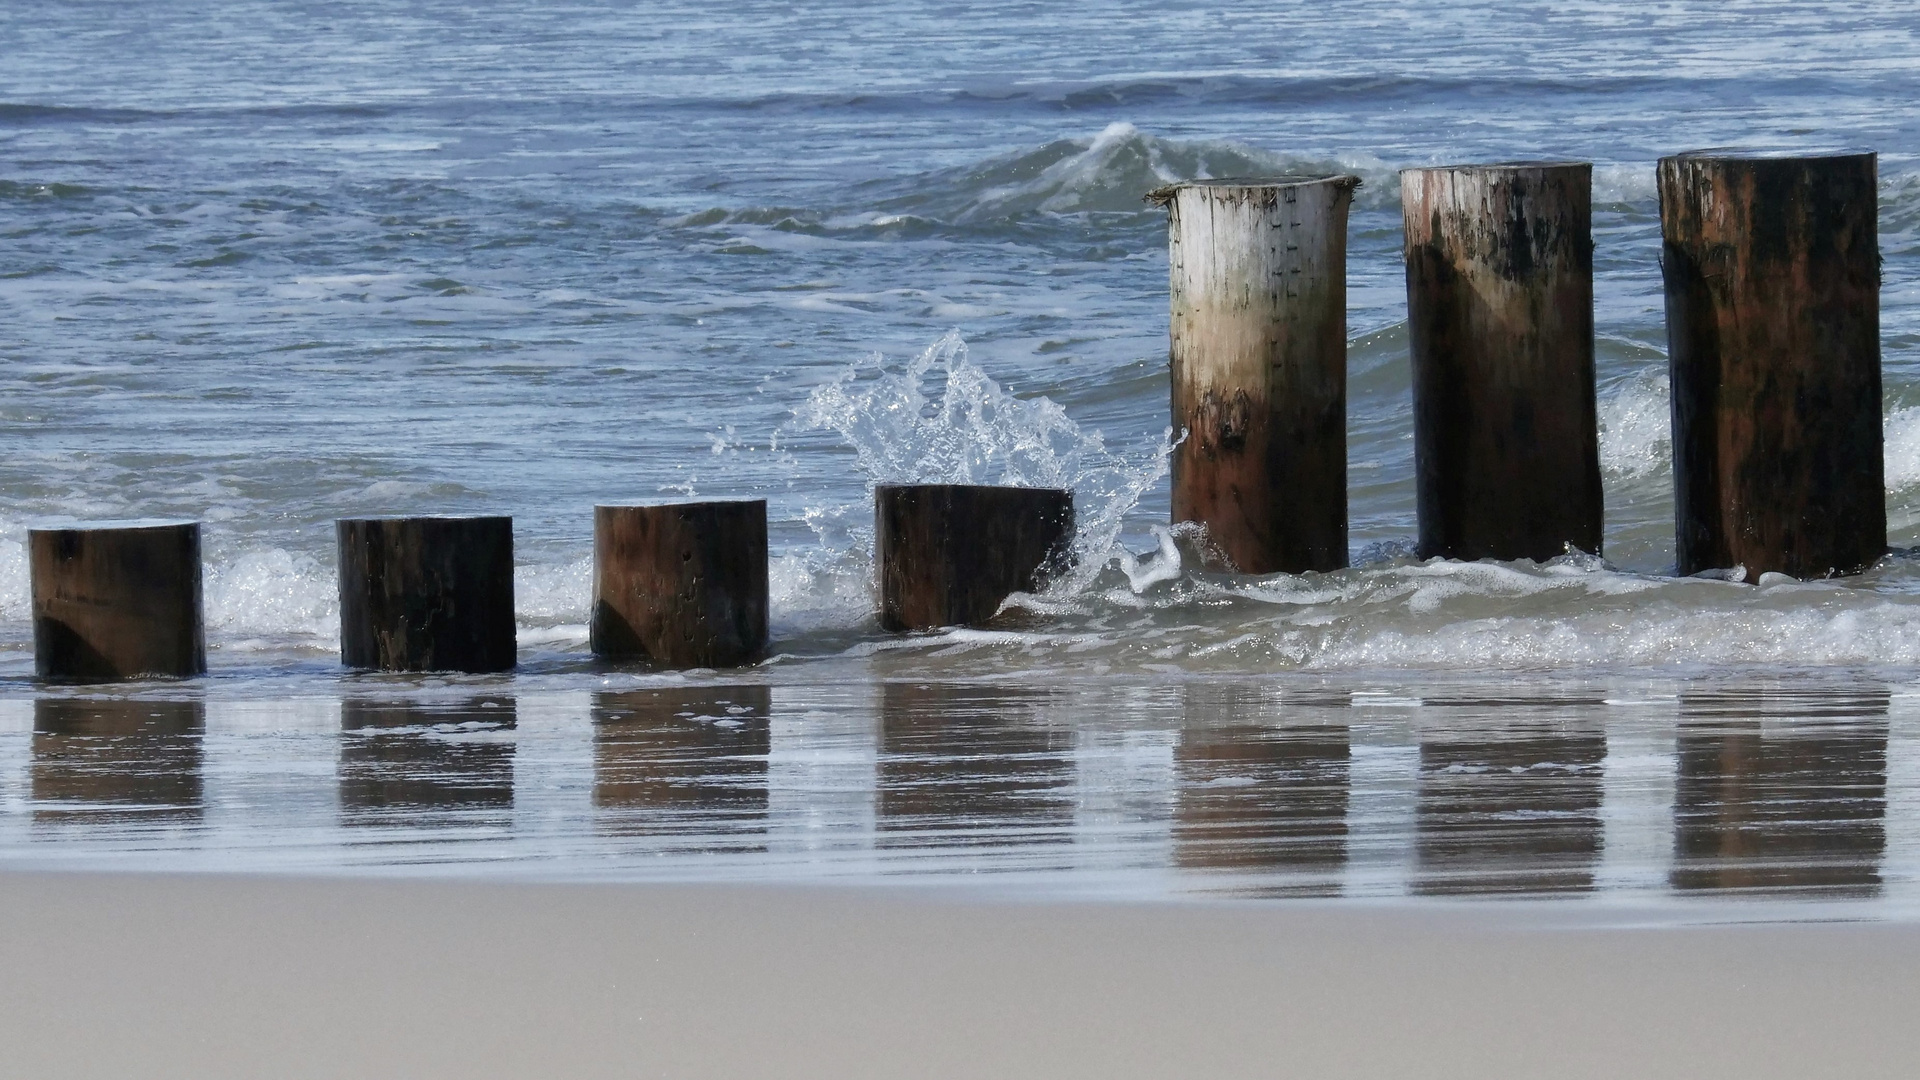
[1648, 792]
[266, 265]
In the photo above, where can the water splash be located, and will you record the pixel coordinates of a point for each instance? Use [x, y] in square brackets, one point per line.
[940, 419]
[1636, 439]
[271, 596]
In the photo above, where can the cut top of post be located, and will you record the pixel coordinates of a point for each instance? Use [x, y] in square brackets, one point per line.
[1774, 198]
[59, 525]
[680, 505]
[1166, 193]
[1769, 153]
[427, 517]
[1498, 167]
[1518, 218]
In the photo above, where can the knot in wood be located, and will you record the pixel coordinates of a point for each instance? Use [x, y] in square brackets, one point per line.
[1223, 423]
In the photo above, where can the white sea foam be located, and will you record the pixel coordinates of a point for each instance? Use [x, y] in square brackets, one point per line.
[1903, 449]
[15, 586]
[1624, 184]
[272, 594]
[1636, 428]
[1454, 616]
[939, 418]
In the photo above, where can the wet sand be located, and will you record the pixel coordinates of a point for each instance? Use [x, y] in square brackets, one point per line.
[161, 976]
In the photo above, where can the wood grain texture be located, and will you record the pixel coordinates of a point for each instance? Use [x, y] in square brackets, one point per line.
[1500, 317]
[117, 603]
[683, 585]
[949, 554]
[1259, 367]
[1773, 341]
[427, 593]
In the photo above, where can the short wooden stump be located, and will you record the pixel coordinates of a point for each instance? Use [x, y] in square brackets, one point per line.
[117, 602]
[683, 585]
[426, 593]
[949, 554]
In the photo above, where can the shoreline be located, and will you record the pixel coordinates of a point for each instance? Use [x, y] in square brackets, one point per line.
[210, 976]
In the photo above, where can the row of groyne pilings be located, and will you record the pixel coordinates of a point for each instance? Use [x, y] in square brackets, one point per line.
[1771, 266]
[682, 585]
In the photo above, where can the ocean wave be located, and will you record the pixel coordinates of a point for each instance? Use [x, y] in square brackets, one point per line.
[1107, 173]
[1110, 172]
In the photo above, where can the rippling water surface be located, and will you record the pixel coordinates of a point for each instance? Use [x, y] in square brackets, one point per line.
[1651, 792]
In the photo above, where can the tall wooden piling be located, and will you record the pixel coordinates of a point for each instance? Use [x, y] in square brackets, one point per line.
[117, 602]
[1500, 312]
[426, 593]
[949, 554]
[683, 585]
[1773, 342]
[1258, 272]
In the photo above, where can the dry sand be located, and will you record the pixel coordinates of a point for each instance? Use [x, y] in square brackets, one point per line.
[154, 976]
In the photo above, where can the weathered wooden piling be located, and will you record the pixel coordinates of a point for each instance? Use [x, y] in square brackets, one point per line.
[1773, 341]
[683, 585]
[1258, 278]
[949, 554]
[117, 602]
[426, 593]
[1500, 314]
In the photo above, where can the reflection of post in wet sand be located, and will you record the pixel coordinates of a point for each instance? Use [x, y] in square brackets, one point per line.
[682, 760]
[98, 759]
[977, 765]
[410, 763]
[1261, 797]
[1798, 803]
[1510, 809]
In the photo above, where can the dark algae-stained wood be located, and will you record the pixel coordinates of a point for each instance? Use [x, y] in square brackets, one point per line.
[1773, 340]
[1500, 316]
[949, 554]
[117, 602]
[426, 593]
[684, 585]
[1258, 353]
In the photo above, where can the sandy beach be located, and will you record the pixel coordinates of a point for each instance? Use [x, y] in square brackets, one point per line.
[208, 976]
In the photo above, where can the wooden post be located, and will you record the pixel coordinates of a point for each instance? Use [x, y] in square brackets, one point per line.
[117, 602]
[427, 593]
[1506, 443]
[1772, 269]
[948, 554]
[684, 585]
[1259, 355]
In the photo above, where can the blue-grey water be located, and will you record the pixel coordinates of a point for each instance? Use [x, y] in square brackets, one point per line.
[268, 264]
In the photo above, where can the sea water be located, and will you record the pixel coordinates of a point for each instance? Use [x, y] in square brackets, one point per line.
[264, 265]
